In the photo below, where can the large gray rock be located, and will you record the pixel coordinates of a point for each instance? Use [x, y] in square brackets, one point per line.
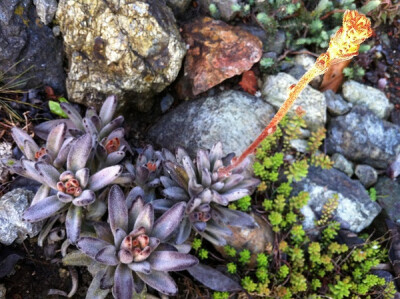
[388, 196]
[363, 137]
[46, 9]
[232, 117]
[335, 103]
[5, 152]
[373, 98]
[28, 49]
[276, 89]
[128, 48]
[12, 227]
[355, 211]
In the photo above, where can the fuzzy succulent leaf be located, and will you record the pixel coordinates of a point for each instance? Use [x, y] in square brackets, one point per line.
[79, 153]
[107, 255]
[104, 177]
[169, 221]
[108, 109]
[56, 138]
[73, 223]
[117, 209]
[91, 246]
[20, 136]
[86, 198]
[73, 115]
[95, 291]
[145, 218]
[171, 261]
[43, 209]
[160, 281]
[123, 282]
[49, 174]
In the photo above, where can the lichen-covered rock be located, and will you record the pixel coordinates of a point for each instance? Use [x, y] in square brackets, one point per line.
[344, 165]
[232, 117]
[367, 175]
[46, 9]
[363, 137]
[12, 227]
[5, 152]
[388, 196]
[216, 52]
[373, 98]
[276, 89]
[128, 48]
[355, 210]
[28, 49]
[178, 6]
[335, 103]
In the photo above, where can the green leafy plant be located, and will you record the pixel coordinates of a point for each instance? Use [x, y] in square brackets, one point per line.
[56, 108]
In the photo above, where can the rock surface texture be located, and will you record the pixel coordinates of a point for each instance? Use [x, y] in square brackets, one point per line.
[12, 227]
[128, 48]
[5, 152]
[373, 98]
[355, 211]
[388, 196]
[363, 137]
[276, 89]
[29, 49]
[335, 103]
[234, 118]
[216, 52]
[46, 9]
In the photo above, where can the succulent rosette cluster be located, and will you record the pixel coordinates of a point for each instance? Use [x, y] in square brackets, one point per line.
[207, 194]
[133, 247]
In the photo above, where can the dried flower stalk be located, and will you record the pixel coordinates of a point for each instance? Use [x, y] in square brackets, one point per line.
[343, 46]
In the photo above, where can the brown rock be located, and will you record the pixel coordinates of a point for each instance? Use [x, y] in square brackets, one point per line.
[217, 52]
[256, 240]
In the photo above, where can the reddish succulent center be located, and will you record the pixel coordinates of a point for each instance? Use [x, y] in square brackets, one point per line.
[40, 153]
[70, 185]
[151, 166]
[135, 244]
[112, 145]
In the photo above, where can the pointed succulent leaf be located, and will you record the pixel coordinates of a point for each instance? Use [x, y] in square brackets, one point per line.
[123, 282]
[142, 267]
[117, 209]
[175, 193]
[101, 152]
[219, 199]
[91, 111]
[73, 223]
[216, 153]
[119, 236]
[177, 173]
[194, 188]
[89, 126]
[111, 127]
[73, 115]
[249, 184]
[141, 175]
[160, 281]
[154, 183]
[43, 129]
[162, 205]
[103, 231]
[82, 175]
[56, 139]
[104, 177]
[232, 181]
[136, 206]
[95, 291]
[43, 209]
[184, 231]
[62, 155]
[43, 192]
[218, 230]
[79, 153]
[124, 179]
[180, 152]
[171, 261]
[167, 182]
[27, 169]
[76, 258]
[63, 197]
[96, 122]
[49, 174]
[202, 161]
[107, 255]
[153, 243]
[20, 136]
[200, 226]
[168, 156]
[213, 279]
[193, 204]
[235, 194]
[189, 167]
[145, 218]
[108, 109]
[117, 133]
[46, 158]
[133, 194]
[114, 158]
[30, 149]
[91, 246]
[169, 221]
[86, 198]
[235, 218]
[205, 178]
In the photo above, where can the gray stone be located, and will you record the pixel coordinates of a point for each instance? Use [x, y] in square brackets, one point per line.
[3, 291]
[344, 165]
[5, 152]
[166, 102]
[363, 137]
[276, 89]
[355, 210]
[132, 49]
[388, 196]
[367, 175]
[373, 98]
[29, 50]
[178, 6]
[46, 9]
[224, 8]
[232, 117]
[299, 145]
[307, 61]
[12, 227]
[335, 103]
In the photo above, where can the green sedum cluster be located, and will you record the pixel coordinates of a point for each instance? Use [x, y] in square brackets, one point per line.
[303, 264]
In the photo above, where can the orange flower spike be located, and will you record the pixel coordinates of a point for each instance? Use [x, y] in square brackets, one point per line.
[343, 45]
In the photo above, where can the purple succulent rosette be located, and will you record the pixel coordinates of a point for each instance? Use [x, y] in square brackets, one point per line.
[206, 194]
[73, 189]
[133, 247]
